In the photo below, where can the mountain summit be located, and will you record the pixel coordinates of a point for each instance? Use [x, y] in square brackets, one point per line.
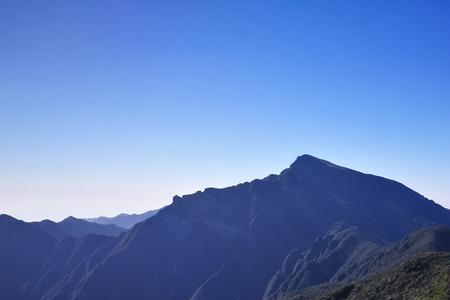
[307, 159]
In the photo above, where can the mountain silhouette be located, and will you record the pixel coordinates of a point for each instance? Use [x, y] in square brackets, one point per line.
[124, 220]
[229, 243]
[77, 228]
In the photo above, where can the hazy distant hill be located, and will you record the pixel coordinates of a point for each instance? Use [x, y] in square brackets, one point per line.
[124, 220]
[314, 223]
[77, 228]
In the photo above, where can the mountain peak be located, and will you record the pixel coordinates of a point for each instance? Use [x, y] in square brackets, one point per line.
[71, 219]
[307, 160]
[305, 157]
[5, 216]
[8, 219]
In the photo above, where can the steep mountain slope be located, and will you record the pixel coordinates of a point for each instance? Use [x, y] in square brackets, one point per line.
[328, 259]
[345, 254]
[124, 220]
[23, 250]
[68, 280]
[33, 261]
[68, 254]
[424, 277]
[227, 243]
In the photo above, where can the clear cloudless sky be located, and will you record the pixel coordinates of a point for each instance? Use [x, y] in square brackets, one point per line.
[110, 106]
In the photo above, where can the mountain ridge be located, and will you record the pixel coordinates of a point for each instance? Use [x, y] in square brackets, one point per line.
[77, 228]
[123, 220]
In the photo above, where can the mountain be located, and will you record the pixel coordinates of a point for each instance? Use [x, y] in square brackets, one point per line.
[63, 263]
[425, 276]
[77, 228]
[32, 260]
[51, 228]
[330, 258]
[346, 255]
[124, 220]
[230, 243]
[23, 250]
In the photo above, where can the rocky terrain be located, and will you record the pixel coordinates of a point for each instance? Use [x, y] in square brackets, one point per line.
[424, 277]
[345, 255]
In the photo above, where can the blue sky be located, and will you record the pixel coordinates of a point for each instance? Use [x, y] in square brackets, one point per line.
[116, 106]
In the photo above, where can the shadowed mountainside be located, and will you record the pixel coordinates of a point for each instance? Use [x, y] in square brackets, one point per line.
[23, 250]
[32, 261]
[423, 277]
[344, 255]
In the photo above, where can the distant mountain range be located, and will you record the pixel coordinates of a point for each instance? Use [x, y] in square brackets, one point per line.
[77, 228]
[314, 230]
[124, 220]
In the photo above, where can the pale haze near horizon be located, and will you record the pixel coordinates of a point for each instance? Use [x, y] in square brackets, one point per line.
[112, 106]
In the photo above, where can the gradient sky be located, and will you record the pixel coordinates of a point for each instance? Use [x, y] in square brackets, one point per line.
[115, 106]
